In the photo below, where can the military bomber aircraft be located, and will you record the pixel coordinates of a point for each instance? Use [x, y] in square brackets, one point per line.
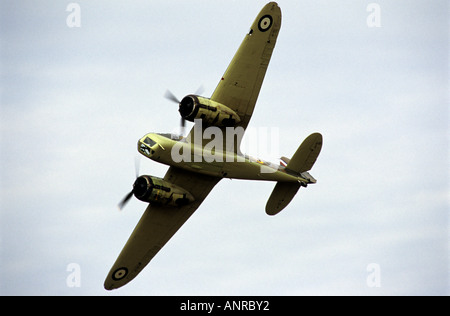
[198, 163]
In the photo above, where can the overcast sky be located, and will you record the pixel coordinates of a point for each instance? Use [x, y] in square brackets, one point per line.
[75, 100]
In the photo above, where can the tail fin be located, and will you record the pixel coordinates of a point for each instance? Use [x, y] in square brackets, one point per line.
[306, 155]
[302, 161]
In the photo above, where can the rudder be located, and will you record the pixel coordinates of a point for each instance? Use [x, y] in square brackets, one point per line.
[306, 155]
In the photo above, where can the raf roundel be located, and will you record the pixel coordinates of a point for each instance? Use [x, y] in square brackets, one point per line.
[265, 23]
[119, 274]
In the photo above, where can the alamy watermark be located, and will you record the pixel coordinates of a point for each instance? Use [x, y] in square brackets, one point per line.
[374, 277]
[74, 18]
[374, 18]
[74, 277]
[214, 144]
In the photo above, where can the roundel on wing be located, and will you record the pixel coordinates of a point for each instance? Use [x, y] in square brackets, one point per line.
[265, 23]
[119, 274]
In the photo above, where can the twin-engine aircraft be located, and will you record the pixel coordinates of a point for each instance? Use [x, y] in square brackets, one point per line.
[198, 163]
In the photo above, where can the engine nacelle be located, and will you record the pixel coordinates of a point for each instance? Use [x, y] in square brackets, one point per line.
[211, 113]
[160, 192]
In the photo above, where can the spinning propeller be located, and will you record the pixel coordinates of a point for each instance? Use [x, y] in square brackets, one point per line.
[170, 96]
[137, 186]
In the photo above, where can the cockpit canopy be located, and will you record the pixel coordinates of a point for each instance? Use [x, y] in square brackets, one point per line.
[149, 141]
[171, 136]
[147, 144]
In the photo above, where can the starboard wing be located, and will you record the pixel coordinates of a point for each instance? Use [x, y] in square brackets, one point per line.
[156, 226]
[240, 85]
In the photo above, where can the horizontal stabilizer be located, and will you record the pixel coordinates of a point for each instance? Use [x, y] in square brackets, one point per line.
[281, 195]
[306, 155]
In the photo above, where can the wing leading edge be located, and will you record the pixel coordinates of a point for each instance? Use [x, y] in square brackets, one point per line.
[156, 226]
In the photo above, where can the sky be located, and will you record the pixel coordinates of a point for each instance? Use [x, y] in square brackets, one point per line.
[78, 91]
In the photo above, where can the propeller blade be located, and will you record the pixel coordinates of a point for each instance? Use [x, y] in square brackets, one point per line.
[137, 165]
[170, 96]
[182, 125]
[125, 200]
[200, 90]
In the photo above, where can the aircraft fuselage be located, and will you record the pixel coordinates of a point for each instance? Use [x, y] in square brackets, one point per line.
[180, 153]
